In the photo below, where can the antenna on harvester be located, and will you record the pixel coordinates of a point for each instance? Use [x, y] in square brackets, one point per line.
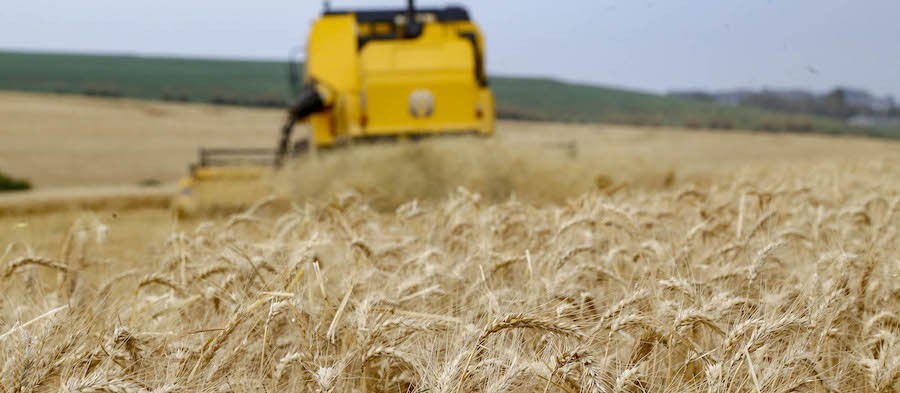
[413, 28]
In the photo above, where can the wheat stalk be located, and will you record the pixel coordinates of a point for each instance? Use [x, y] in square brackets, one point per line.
[37, 261]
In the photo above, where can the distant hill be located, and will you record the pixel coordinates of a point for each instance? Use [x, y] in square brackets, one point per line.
[845, 104]
[264, 83]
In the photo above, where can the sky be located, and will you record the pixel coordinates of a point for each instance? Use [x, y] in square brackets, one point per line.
[649, 45]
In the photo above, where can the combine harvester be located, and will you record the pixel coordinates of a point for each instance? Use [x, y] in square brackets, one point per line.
[370, 75]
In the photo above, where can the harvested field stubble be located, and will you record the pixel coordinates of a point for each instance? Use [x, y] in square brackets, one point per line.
[777, 280]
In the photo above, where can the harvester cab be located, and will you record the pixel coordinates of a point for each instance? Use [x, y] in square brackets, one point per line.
[373, 75]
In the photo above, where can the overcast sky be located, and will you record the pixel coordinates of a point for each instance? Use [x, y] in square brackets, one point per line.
[652, 45]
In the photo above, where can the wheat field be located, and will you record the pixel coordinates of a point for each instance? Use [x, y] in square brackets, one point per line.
[749, 270]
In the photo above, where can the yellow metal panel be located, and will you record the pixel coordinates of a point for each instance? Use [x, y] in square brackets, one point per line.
[332, 61]
[331, 57]
[433, 51]
[400, 86]
[488, 111]
[454, 105]
[323, 132]
[437, 68]
[351, 115]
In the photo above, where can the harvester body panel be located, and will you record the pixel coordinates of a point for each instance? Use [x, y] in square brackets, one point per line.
[381, 82]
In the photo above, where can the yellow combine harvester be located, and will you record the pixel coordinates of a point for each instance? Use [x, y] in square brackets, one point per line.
[370, 75]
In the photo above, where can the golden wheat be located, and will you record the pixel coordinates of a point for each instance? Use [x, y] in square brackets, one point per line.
[776, 279]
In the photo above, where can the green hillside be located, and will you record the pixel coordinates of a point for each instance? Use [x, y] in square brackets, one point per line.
[554, 100]
[264, 83]
[143, 77]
